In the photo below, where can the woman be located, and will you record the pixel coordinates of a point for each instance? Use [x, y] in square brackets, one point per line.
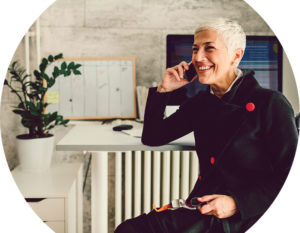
[245, 137]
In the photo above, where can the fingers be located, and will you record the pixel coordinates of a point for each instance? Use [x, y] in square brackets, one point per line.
[212, 209]
[174, 73]
[178, 71]
[207, 209]
[173, 78]
[221, 206]
[208, 198]
[182, 67]
[185, 65]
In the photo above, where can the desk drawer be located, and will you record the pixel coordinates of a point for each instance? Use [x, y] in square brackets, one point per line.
[57, 226]
[48, 209]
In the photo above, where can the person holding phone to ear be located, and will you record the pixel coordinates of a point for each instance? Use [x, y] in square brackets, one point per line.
[245, 137]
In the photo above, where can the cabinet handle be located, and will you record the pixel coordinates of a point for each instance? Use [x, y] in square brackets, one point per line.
[34, 199]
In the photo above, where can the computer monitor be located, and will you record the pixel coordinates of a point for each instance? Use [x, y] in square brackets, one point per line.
[263, 55]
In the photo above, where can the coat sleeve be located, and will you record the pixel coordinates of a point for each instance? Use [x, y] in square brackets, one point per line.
[158, 131]
[254, 197]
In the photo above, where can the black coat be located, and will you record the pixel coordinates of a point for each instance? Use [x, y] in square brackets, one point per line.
[244, 153]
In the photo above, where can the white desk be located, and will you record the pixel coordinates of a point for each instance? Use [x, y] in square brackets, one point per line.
[99, 139]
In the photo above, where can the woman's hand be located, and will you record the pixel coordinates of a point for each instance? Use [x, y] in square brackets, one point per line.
[173, 78]
[221, 206]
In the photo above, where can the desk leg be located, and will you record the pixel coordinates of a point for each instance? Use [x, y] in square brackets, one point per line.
[99, 188]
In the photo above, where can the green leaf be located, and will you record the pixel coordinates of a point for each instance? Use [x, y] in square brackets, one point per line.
[51, 82]
[37, 75]
[77, 66]
[14, 64]
[76, 72]
[13, 72]
[67, 73]
[34, 85]
[50, 127]
[42, 89]
[42, 67]
[44, 61]
[39, 106]
[64, 122]
[17, 111]
[21, 105]
[45, 76]
[71, 65]
[63, 65]
[58, 56]
[50, 58]
[34, 113]
[53, 117]
[59, 118]
[25, 77]
[27, 123]
[30, 104]
[56, 72]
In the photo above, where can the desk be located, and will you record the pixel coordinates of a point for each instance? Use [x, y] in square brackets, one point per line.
[99, 139]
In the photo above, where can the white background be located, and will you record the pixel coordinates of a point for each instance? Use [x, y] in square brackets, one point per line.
[16, 16]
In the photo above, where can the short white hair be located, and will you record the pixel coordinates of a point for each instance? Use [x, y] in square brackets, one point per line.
[230, 31]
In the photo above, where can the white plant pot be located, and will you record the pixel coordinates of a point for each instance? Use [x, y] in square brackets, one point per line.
[35, 154]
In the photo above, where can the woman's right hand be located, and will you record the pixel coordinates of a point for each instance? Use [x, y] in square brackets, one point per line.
[173, 78]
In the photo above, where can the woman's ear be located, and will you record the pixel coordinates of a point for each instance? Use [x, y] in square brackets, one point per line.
[238, 55]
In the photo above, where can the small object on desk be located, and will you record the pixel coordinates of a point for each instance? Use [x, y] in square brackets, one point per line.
[122, 127]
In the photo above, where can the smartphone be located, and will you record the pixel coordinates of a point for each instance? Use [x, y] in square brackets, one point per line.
[190, 73]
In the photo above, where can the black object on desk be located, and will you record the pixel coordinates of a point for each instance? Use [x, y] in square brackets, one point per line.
[122, 127]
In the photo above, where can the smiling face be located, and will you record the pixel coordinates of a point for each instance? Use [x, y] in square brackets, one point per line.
[212, 61]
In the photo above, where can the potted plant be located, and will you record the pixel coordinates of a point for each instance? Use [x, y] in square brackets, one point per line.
[35, 148]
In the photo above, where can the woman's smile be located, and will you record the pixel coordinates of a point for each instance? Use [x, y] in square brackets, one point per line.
[204, 68]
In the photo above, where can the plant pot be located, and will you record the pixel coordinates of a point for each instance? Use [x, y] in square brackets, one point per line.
[35, 154]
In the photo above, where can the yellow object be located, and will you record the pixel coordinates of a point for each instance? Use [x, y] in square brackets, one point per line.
[53, 97]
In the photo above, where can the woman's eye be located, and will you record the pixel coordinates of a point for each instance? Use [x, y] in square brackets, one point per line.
[210, 48]
[194, 49]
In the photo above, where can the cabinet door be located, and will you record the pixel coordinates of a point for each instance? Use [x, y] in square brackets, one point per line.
[48, 209]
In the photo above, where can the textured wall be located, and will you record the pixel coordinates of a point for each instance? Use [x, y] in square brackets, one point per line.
[116, 28]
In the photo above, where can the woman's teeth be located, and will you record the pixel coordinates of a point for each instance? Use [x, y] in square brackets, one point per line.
[203, 67]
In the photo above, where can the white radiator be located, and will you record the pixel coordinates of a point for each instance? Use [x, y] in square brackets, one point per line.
[146, 177]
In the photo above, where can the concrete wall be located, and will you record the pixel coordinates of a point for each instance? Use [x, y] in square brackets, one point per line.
[117, 28]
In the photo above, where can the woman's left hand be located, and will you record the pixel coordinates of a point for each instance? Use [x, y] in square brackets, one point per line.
[221, 206]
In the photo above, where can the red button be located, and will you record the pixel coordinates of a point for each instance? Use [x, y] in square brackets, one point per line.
[250, 107]
[212, 160]
[200, 177]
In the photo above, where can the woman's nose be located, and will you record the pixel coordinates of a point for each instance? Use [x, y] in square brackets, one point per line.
[200, 56]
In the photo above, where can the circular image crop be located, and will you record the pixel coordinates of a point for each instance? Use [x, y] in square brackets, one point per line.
[217, 164]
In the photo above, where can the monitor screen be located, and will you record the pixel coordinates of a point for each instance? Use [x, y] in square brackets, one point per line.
[263, 54]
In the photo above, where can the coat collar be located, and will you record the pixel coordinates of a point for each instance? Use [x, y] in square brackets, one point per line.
[242, 89]
[239, 95]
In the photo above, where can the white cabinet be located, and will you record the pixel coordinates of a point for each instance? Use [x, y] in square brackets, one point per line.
[55, 195]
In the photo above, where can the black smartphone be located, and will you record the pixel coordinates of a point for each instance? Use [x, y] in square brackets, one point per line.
[190, 73]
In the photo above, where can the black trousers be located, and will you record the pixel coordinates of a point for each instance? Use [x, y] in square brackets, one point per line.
[172, 221]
